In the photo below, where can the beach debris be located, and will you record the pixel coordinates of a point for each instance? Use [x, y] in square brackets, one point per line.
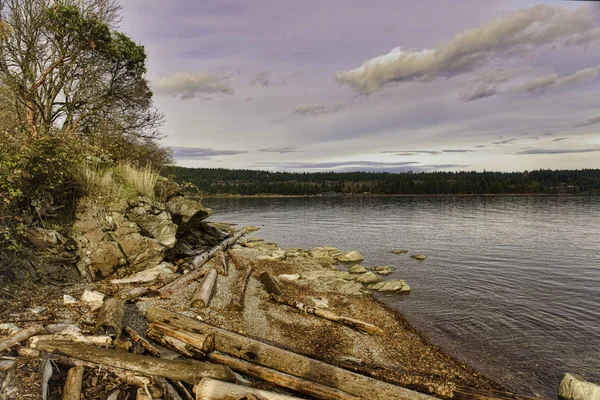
[352, 256]
[382, 269]
[368, 277]
[72, 388]
[241, 283]
[67, 299]
[271, 285]
[390, 286]
[204, 292]
[211, 389]
[221, 263]
[418, 257]
[574, 387]
[62, 329]
[136, 337]
[399, 251]
[110, 318]
[8, 372]
[194, 344]
[288, 277]
[161, 272]
[317, 302]
[250, 228]
[135, 293]
[20, 336]
[8, 327]
[93, 299]
[105, 341]
[357, 269]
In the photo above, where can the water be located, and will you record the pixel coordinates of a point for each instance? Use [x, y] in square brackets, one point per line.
[511, 285]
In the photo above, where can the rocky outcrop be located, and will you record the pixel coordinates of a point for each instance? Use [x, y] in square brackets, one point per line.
[141, 252]
[159, 227]
[399, 286]
[352, 256]
[165, 189]
[105, 259]
[357, 269]
[49, 246]
[573, 387]
[183, 210]
[368, 277]
[382, 269]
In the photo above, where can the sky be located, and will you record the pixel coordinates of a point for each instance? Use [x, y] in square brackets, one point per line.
[379, 85]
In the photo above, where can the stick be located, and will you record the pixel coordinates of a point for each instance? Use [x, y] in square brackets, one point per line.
[72, 388]
[182, 370]
[110, 318]
[168, 389]
[222, 266]
[203, 342]
[300, 385]
[286, 361]
[239, 291]
[350, 322]
[136, 337]
[175, 344]
[271, 285]
[20, 336]
[203, 294]
[210, 389]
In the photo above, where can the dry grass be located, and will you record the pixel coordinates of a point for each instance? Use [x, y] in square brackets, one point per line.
[121, 182]
[142, 180]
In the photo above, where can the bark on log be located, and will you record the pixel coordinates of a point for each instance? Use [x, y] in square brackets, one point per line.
[210, 389]
[241, 283]
[110, 318]
[315, 390]
[221, 261]
[188, 371]
[72, 388]
[95, 340]
[178, 283]
[271, 285]
[286, 361]
[138, 292]
[203, 258]
[203, 342]
[331, 316]
[175, 344]
[239, 265]
[136, 337]
[20, 336]
[204, 293]
[169, 391]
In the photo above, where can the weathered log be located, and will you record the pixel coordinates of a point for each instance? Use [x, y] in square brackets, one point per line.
[188, 371]
[185, 391]
[241, 283]
[204, 257]
[175, 344]
[136, 337]
[221, 263]
[178, 283]
[138, 292]
[169, 391]
[20, 336]
[72, 388]
[95, 340]
[286, 361]
[294, 383]
[110, 318]
[203, 342]
[331, 316]
[271, 285]
[8, 379]
[239, 265]
[210, 389]
[204, 292]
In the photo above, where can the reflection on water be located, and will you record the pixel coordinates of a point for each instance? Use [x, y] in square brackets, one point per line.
[511, 284]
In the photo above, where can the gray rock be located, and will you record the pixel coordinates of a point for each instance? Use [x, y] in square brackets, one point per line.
[418, 257]
[183, 210]
[399, 251]
[142, 252]
[156, 227]
[164, 189]
[106, 259]
[352, 256]
[368, 277]
[357, 269]
[399, 286]
[573, 387]
[382, 269]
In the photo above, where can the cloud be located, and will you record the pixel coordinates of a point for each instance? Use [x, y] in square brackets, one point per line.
[187, 85]
[199, 153]
[541, 84]
[479, 92]
[591, 120]
[280, 149]
[316, 109]
[559, 139]
[262, 79]
[505, 141]
[536, 28]
[357, 165]
[432, 152]
[556, 151]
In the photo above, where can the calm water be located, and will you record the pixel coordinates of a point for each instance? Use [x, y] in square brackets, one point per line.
[511, 285]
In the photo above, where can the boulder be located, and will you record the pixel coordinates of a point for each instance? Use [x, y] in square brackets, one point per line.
[159, 227]
[573, 387]
[198, 234]
[399, 286]
[399, 251]
[183, 210]
[105, 260]
[368, 277]
[165, 189]
[357, 269]
[142, 252]
[162, 271]
[382, 269]
[352, 256]
[418, 257]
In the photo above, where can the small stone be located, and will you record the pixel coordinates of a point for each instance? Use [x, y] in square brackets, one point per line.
[38, 309]
[351, 256]
[251, 228]
[382, 270]
[573, 387]
[69, 299]
[399, 286]
[368, 277]
[89, 296]
[357, 269]
[418, 257]
[399, 251]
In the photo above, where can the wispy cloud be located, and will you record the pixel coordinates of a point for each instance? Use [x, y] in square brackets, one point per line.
[591, 120]
[559, 139]
[432, 152]
[486, 84]
[187, 85]
[336, 164]
[556, 151]
[316, 109]
[553, 81]
[262, 79]
[539, 27]
[199, 153]
[280, 149]
[505, 141]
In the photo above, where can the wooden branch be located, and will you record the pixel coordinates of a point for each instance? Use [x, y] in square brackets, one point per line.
[136, 337]
[270, 284]
[203, 258]
[138, 292]
[20, 336]
[169, 391]
[312, 389]
[239, 265]
[188, 371]
[180, 282]
[204, 293]
[222, 267]
[286, 361]
[110, 318]
[210, 389]
[175, 344]
[239, 291]
[72, 388]
[331, 316]
[201, 341]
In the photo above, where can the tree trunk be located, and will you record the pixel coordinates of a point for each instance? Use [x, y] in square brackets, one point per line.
[271, 285]
[203, 342]
[210, 389]
[221, 261]
[180, 282]
[72, 388]
[136, 337]
[110, 318]
[296, 384]
[239, 291]
[204, 257]
[20, 336]
[203, 294]
[175, 344]
[350, 322]
[134, 294]
[285, 361]
[188, 371]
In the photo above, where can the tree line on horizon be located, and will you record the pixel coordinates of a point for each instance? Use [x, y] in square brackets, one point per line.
[251, 182]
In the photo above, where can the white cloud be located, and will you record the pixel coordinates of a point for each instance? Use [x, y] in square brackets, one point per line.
[591, 120]
[317, 109]
[541, 84]
[187, 85]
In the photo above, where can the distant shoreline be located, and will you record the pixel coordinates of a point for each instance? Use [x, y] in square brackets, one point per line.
[268, 196]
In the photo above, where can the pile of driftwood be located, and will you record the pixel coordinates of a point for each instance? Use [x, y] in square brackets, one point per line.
[214, 361]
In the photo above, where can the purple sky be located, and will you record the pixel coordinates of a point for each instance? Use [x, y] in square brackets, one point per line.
[380, 85]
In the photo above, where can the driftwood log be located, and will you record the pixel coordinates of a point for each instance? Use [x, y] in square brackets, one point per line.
[286, 361]
[188, 371]
[210, 389]
[204, 257]
[20, 336]
[221, 261]
[271, 285]
[203, 294]
[175, 344]
[315, 390]
[331, 316]
[136, 337]
[178, 283]
[110, 318]
[201, 341]
[138, 292]
[241, 283]
[169, 391]
[72, 388]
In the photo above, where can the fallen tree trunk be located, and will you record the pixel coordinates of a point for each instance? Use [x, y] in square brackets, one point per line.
[136, 337]
[286, 361]
[204, 293]
[271, 285]
[300, 385]
[95, 340]
[20, 336]
[331, 316]
[204, 257]
[210, 389]
[175, 344]
[138, 292]
[188, 371]
[201, 341]
[72, 388]
[239, 290]
[110, 318]
[222, 266]
[178, 283]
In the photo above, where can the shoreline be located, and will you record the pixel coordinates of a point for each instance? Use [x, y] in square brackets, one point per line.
[282, 196]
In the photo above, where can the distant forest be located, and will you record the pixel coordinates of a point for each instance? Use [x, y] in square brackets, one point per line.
[251, 182]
